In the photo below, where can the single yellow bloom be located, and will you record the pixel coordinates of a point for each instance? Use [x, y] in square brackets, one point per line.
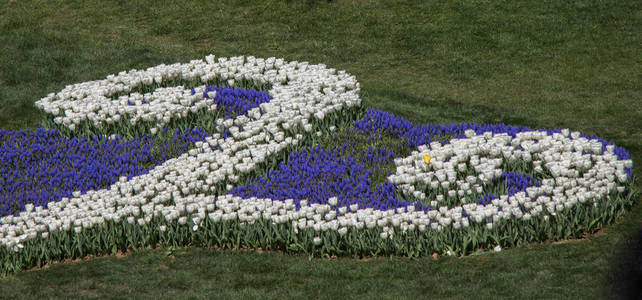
[427, 159]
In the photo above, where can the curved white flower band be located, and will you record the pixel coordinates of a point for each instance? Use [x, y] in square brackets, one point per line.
[299, 90]
[561, 156]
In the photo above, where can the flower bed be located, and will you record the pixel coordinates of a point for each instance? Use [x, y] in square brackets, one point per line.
[253, 180]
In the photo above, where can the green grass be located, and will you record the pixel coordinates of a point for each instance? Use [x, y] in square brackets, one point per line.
[543, 64]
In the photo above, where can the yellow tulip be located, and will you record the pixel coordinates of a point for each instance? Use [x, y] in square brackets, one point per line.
[427, 159]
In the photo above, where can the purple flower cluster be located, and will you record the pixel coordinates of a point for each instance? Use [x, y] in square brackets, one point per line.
[236, 101]
[42, 166]
[318, 174]
[517, 182]
[514, 181]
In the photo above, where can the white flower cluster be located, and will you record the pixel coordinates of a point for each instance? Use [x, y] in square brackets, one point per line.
[175, 185]
[323, 90]
[576, 177]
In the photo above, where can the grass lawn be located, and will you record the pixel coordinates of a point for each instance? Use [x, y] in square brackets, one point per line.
[542, 64]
